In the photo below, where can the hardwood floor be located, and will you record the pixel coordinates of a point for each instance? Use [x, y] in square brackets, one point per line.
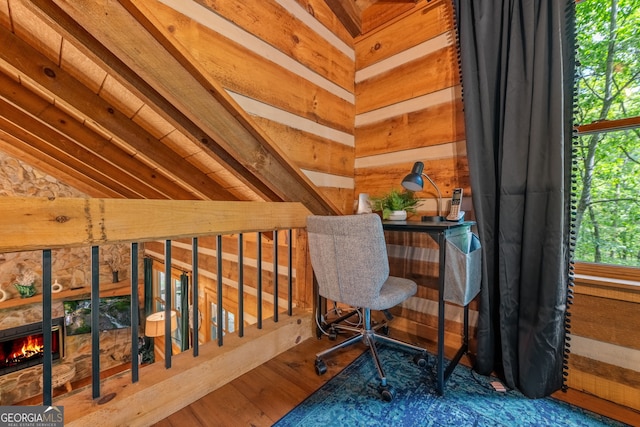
[262, 396]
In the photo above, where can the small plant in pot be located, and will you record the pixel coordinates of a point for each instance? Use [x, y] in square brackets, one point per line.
[26, 284]
[395, 204]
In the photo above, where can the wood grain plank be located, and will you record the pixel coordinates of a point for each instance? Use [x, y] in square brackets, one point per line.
[448, 173]
[243, 71]
[380, 13]
[41, 223]
[606, 320]
[434, 125]
[273, 24]
[310, 151]
[428, 20]
[421, 76]
[319, 10]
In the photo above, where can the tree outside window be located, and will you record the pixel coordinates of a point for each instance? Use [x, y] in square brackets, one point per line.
[607, 156]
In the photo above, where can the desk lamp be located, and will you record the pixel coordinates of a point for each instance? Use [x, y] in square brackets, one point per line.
[414, 182]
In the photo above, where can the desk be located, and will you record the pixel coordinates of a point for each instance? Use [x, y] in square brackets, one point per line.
[440, 232]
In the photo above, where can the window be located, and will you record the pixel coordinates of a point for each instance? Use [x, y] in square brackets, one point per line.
[228, 321]
[176, 300]
[608, 141]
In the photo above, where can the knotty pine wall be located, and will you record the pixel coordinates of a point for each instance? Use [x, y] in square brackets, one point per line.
[353, 114]
[409, 108]
[290, 65]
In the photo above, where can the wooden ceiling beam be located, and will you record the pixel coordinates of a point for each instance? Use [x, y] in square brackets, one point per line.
[347, 13]
[61, 84]
[64, 132]
[35, 135]
[183, 96]
[20, 149]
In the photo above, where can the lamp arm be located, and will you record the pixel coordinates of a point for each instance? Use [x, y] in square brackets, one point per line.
[438, 191]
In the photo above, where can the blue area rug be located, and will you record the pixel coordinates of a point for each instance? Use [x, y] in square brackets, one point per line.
[352, 399]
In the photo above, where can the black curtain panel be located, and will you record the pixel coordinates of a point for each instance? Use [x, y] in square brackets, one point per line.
[517, 69]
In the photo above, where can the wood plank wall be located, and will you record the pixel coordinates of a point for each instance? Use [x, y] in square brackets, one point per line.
[408, 104]
[605, 342]
[409, 108]
[284, 64]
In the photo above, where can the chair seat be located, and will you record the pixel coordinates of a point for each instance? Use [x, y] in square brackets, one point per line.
[394, 291]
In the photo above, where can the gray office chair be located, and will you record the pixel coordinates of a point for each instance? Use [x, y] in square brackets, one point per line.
[349, 259]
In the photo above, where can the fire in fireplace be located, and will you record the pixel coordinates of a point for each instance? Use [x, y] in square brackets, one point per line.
[23, 346]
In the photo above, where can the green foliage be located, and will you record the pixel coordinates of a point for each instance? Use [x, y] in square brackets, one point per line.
[608, 163]
[395, 201]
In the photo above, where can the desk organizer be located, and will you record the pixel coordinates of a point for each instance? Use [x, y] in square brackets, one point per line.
[463, 272]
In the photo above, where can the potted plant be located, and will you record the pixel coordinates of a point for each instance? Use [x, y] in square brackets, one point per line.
[25, 284]
[395, 204]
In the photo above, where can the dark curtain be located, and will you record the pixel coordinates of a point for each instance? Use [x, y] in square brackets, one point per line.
[184, 311]
[517, 77]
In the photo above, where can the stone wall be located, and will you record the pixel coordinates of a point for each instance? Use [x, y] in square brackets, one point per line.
[71, 268]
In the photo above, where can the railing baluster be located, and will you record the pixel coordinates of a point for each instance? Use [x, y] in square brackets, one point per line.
[259, 284]
[47, 369]
[240, 286]
[290, 274]
[275, 276]
[135, 314]
[167, 304]
[194, 283]
[95, 321]
[219, 291]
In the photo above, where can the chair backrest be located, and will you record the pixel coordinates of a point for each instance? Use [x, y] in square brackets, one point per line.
[349, 257]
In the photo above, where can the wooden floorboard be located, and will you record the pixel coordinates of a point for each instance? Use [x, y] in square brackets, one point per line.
[264, 395]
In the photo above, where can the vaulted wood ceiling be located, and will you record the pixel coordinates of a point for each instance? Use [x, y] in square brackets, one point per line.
[80, 100]
[361, 16]
[74, 103]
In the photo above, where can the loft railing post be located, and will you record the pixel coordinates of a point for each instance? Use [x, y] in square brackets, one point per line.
[95, 321]
[194, 304]
[275, 276]
[290, 274]
[135, 314]
[259, 279]
[240, 286]
[219, 300]
[167, 304]
[47, 369]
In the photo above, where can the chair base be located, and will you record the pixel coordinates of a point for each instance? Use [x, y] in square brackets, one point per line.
[369, 335]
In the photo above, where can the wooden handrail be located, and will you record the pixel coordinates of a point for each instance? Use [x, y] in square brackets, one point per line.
[34, 223]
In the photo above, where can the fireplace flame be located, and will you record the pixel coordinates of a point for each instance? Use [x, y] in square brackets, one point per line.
[30, 347]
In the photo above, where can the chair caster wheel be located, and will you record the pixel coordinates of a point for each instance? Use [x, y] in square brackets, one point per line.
[321, 367]
[333, 335]
[385, 330]
[387, 392]
[421, 359]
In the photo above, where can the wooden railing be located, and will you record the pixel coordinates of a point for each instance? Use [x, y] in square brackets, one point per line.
[44, 224]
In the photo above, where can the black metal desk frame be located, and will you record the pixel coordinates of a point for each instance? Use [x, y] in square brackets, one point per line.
[440, 232]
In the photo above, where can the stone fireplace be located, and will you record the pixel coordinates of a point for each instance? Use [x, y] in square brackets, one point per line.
[23, 346]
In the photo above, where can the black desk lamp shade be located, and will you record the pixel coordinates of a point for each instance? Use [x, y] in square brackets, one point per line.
[414, 182]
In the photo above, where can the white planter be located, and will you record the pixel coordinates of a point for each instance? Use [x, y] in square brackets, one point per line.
[398, 215]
